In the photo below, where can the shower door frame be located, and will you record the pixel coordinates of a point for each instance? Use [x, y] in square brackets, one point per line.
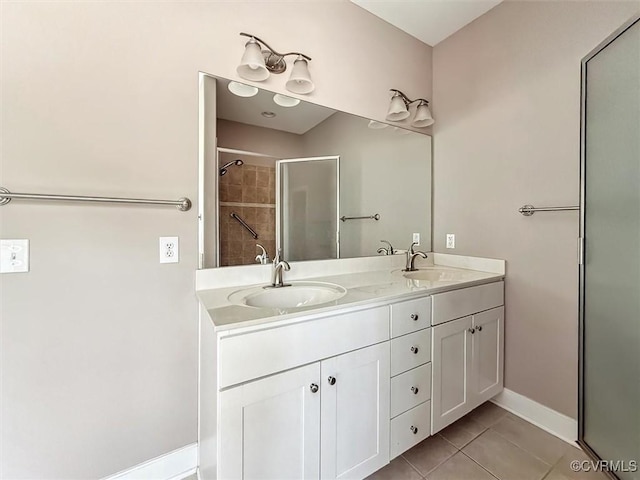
[583, 144]
[279, 227]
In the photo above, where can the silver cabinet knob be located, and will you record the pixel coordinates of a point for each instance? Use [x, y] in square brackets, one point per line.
[331, 380]
[414, 349]
[414, 316]
[472, 331]
[479, 328]
[413, 429]
[314, 388]
[414, 390]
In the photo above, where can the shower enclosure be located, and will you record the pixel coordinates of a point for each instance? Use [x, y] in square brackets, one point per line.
[308, 207]
[609, 410]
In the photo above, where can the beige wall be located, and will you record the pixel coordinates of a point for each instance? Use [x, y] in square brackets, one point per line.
[381, 171]
[267, 141]
[507, 104]
[99, 341]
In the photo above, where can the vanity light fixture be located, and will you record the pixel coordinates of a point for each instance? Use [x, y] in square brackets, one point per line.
[242, 90]
[399, 110]
[258, 63]
[285, 101]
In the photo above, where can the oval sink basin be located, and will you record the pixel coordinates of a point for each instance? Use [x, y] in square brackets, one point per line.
[299, 294]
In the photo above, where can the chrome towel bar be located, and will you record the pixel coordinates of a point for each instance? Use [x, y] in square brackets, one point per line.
[6, 196]
[367, 217]
[528, 210]
[244, 224]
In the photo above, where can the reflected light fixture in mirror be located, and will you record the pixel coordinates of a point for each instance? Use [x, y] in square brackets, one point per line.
[242, 90]
[285, 101]
[258, 63]
[399, 110]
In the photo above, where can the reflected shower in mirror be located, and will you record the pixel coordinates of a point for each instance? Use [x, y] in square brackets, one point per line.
[277, 172]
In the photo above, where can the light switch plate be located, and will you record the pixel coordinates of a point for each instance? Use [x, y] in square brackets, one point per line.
[416, 238]
[169, 250]
[14, 256]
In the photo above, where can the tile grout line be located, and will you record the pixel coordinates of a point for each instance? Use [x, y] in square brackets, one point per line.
[411, 465]
[482, 467]
[527, 451]
[430, 471]
[550, 467]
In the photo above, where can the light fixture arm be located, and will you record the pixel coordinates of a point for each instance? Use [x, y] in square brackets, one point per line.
[282, 55]
[406, 99]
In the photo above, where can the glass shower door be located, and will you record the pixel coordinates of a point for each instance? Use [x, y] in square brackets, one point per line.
[307, 208]
[609, 423]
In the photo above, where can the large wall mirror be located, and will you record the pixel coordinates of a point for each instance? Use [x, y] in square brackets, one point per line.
[312, 181]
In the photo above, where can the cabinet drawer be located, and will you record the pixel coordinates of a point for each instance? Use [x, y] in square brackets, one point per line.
[410, 428]
[410, 316]
[410, 389]
[460, 303]
[410, 351]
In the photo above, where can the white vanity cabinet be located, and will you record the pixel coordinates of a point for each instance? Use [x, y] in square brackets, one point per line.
[270, 428]
[468, 352]
[355, 413]
[328, 418]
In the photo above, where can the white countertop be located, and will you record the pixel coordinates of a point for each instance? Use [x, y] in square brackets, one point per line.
[365, 289]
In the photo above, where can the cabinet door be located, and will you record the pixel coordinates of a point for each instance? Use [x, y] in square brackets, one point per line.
[488, 354]
[355, 413]
[270, 428]
[451, 396]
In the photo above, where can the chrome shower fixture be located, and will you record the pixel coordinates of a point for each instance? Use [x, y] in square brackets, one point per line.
[258, 63]
[223, 169]
[399, 110]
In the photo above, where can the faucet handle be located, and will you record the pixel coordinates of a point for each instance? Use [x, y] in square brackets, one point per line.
[263, 258]
[390, 250]
[411, 251]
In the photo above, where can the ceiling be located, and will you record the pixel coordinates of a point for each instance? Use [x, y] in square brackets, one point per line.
[298, 119]
[430, 21]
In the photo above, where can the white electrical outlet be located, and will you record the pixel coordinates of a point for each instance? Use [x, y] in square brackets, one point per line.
[14, 256]
[169, 250]
[451, 240]
[416, 238]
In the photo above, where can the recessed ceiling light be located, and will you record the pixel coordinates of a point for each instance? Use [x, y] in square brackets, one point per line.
[242, 90]
[285, 101]
[268, 114]
[377, 125]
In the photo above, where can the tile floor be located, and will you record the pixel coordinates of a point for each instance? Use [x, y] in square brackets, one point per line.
[488, 444]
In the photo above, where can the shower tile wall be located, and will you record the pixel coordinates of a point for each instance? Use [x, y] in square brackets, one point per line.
[249, 191]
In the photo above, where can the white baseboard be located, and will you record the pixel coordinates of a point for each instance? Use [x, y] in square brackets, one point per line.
[547, 419]
[174, 465]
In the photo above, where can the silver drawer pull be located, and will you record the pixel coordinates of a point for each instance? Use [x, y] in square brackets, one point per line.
[472, 331]
[414, 349]
[413, 429]
[331, 380]
[479, 328]
[313, 387]
[414, 390]
[414, 316]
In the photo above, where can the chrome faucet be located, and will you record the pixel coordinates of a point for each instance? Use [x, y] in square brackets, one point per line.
[388, 250]
[263, 258]
[411, 258]
[278, 266]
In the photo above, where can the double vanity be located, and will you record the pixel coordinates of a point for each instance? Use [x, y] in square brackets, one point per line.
[350, 366]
